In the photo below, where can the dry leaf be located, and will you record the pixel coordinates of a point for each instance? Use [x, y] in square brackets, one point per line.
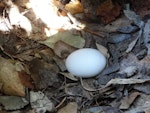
[132, 45]
[130, 70]
[69, 76]
[77, 90]
[51, 20]
[126, 81]
[102, 109]
[40, 102]
[113, 27]
[128, 100]
[13, 102]
[60, 63]
[88, 85]
[43, 74]
[103, 50]
[31, 111]
[9, 77]
[108, 11]
[26, 80]
[118, 38]
[142, 67]
[62, 49]
[3, 111]
[22, 3]
[74, 7]
[69, 108]
[67, 37]
[17, 19]
[131, 15]
[142, 104]
[147, 35]
[145, 88]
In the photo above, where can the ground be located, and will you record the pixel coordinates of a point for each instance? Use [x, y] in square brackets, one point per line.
[36, 37]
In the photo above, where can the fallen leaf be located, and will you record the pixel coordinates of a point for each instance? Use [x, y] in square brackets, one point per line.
[19, 20]
[118, 38]
[145, 88]
[77, 90]
[128, 29]
[60, 63]
[69, 108]
[5, 26]
[62, 49]
[43, 74]
[113, 27]
[26, 80]
[31, 111]
[108, 11]
[22, 3]
[104, 79]
[103, 50]
[88, 85]
[140, 7]
[142, 104]
[66, 36]
[132, 45]
[74, 7]
[2, 111]
[102, 109]
[1, 85]
[142, 66]
[13, 102]
[128, 100]
[130, 71]
[9, 77]
[131, 15]
[126, 81]
[40, 102]
[147, 35]
[69, 76]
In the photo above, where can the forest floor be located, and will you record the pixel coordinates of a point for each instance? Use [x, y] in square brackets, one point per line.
[36, 37]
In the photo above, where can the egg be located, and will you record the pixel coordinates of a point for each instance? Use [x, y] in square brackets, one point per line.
[86, 62]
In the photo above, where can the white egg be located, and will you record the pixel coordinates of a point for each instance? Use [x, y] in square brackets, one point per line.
[86, 62]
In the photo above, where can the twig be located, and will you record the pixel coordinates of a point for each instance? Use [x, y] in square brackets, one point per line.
[95, 33]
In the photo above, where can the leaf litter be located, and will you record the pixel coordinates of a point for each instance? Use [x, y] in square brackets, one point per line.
[34, 46]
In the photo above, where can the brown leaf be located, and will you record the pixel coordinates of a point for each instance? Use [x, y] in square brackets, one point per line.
[108, 11]
[10, 79]
[70, 108]
[46, 54]
[60, 63]
[3, 112]
[140, 7]
[62, 49]
[74, 7]
[26, 80]
[43, 74]
[128, 100]
[141, 104]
